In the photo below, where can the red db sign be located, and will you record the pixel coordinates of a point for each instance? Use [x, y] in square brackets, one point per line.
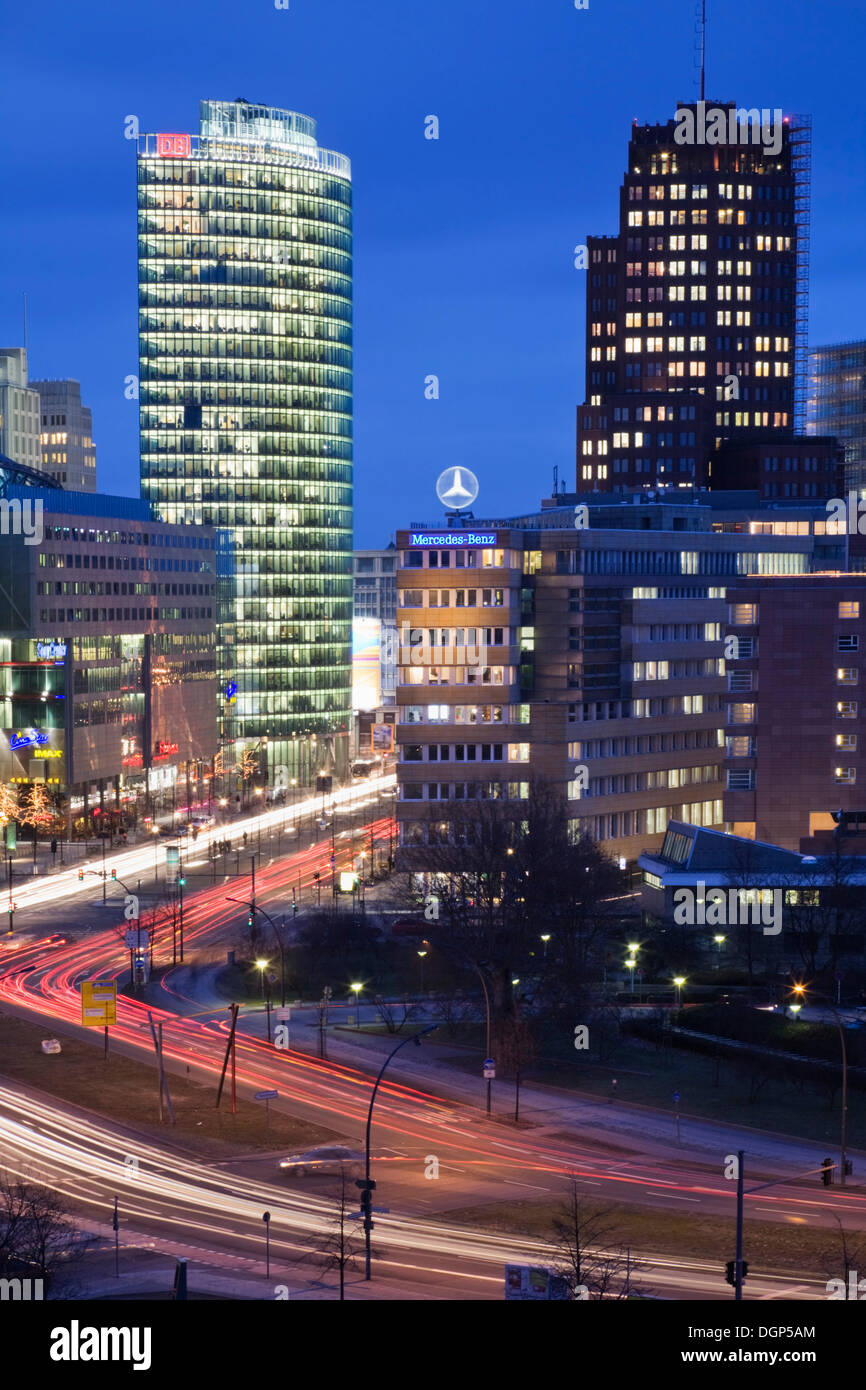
[173, 146]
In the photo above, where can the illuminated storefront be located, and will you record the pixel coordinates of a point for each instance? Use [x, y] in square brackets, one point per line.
[108, 686]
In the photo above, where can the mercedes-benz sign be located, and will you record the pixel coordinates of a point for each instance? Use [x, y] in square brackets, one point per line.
[457, 488]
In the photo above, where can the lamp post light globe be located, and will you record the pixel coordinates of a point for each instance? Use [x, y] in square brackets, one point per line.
[356, 990]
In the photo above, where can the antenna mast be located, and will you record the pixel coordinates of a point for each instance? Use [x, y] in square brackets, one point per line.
[703, 44]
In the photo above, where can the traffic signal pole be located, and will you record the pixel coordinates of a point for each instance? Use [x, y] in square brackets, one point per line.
[738, 1267]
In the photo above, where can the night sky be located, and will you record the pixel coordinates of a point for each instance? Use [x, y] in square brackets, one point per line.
[463, 247]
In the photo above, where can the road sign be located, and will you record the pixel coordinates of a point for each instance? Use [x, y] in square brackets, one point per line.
[489, 1069]
[676, 1097]
[137, 939]
[172, 863]
[266, 1095]
[98, 1003]
[283, 1015]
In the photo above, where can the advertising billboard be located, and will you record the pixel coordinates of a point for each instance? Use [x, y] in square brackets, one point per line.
[529, 1283]
[366, 670]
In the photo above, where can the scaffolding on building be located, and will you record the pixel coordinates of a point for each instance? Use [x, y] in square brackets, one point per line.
[800, 138]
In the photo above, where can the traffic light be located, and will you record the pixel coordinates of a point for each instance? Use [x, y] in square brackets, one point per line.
[731, 1271]
[366, 1185]
[294, 909]
[182, 882]
[80, 875]
[849, 1167]
[250, 920]
[827, 1174]
[114, 873]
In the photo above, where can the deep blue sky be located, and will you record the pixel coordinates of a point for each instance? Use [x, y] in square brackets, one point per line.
[463, 251]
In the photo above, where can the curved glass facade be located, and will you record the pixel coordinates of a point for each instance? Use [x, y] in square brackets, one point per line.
[245, 310]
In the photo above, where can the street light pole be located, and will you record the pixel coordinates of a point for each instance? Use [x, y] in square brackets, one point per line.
[366, 1194]
[801, 990]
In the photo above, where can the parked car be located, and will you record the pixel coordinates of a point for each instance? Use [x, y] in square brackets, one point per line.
[332, 1158]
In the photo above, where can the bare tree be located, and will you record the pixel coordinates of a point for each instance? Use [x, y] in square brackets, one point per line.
[37, 1236]
[511, 873]
[338, 1251]
[853, 1256]
[394, 1015]
[588, 1257]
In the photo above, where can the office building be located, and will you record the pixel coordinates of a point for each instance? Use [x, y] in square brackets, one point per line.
[375, 584]
[19, 411]
[696, 309]
[68, 451]
[245, 291]
[795, 767]
[108, 681]
[590, 660]
[837, 403]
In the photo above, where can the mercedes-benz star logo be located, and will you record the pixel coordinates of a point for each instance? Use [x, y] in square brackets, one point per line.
[457, 488]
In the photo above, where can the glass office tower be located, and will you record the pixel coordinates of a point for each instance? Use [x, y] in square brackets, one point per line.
[245, 307]
[837, 403]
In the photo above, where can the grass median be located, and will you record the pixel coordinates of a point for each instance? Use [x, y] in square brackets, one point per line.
[127, 1091]
[770, 1247]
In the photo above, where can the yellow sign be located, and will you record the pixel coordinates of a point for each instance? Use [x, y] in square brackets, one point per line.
[48, 752]
[98, 1003]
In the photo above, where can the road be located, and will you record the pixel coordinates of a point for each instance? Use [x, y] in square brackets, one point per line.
[418, 1113]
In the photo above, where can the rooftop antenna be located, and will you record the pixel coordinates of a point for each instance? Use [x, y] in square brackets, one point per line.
[702, 32]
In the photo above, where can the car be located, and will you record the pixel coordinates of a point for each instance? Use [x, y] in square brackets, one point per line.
[409, 926]
[329, 1159]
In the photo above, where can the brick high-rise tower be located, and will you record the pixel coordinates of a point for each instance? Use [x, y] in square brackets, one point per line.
[696, 310]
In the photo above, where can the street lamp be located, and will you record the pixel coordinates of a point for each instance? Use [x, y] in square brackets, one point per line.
[633, 946]
[630, 965]
[357, 991]
[545, 938]
[155, 833]
[366, 1184]
[679, 981]
[720, 941]
[421, 955]
[801, 991]
[263, 965]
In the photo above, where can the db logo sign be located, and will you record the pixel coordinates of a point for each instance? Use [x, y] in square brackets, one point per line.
[175, 146]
